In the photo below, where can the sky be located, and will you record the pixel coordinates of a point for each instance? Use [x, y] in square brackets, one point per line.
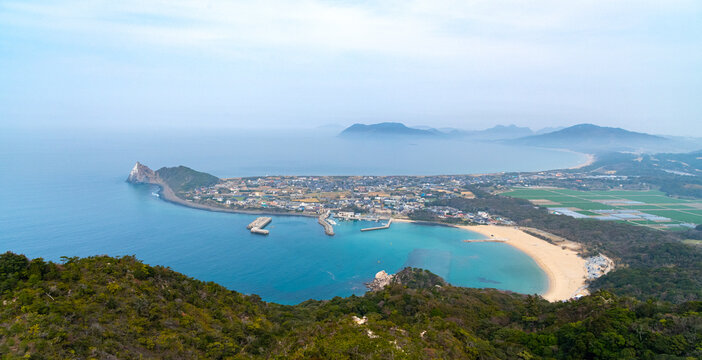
[272, 64]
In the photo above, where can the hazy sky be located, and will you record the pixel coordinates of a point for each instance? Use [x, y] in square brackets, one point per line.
[468, 64]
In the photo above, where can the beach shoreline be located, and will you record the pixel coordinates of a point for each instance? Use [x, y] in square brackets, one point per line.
[589, 160]
[564, 267]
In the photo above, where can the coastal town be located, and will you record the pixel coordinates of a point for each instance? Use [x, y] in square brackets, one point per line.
[371, 198]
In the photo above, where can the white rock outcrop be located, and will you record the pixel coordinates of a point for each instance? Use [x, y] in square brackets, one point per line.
[141, 174]
[381, 280]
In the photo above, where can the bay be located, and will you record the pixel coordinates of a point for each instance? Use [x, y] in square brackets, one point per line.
[64, 194]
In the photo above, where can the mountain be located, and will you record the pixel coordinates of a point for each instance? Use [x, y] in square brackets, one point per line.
[588, 137]
[548, 130]
[120, 308]
[506, 132]
[386, 129]
[498, 132]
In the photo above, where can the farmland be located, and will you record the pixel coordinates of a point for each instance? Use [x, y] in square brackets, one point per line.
[644, 208]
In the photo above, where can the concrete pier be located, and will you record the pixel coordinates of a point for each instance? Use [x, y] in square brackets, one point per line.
[257, 225]
[328, 228]
[386, 226]
[485, 240]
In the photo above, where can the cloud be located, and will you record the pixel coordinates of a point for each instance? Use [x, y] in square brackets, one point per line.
[392, 59]
[420, 28]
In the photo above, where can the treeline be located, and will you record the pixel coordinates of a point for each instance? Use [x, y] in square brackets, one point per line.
[108, 308]
[652, 263]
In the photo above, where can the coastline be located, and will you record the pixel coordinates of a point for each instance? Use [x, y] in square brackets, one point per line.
[589, 160]
[563, 267]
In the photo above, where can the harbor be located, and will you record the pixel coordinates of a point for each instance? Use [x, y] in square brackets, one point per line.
[257, 225]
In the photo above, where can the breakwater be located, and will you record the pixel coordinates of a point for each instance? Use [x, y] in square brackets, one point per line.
[485, 240]
[328, 228]
[257, 225]
[386, 226]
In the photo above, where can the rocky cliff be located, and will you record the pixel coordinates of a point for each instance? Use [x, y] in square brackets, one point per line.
[409, 277]
[381, 280]
[142, 174]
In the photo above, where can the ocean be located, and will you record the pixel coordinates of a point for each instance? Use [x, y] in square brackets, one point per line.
[64, 194]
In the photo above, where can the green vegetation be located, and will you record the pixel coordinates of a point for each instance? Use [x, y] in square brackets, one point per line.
[649, 202]
[104, 307]
[679, 215]
[653, 264]
[183, 178]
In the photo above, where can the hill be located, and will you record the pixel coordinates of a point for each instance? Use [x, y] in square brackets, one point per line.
[178, 179]
[588, 137]
[183, 178]
[119, 308]
[386, 129]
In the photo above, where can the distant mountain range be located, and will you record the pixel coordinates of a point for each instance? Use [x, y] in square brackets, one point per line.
[582, 137]
[398, 129]
[498, 132]
[589, 137]
[386, 129]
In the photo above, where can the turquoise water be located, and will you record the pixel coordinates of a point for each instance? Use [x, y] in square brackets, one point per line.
[67, 197]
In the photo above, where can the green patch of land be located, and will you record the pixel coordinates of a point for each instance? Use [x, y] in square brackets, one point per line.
[588, 202]
[678, 215]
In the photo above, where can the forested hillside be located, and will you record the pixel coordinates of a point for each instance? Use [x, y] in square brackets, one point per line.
[119, 308]
[183, 178]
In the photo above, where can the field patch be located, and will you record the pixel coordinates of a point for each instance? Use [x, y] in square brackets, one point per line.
[678, 215]
[643, 208]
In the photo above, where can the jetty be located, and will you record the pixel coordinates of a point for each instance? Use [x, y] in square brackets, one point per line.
[386, 226]
[322, 220]
[485, 240]
[257, 225]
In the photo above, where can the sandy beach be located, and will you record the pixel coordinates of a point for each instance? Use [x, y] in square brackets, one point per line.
[564, 267]
[589, 160]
